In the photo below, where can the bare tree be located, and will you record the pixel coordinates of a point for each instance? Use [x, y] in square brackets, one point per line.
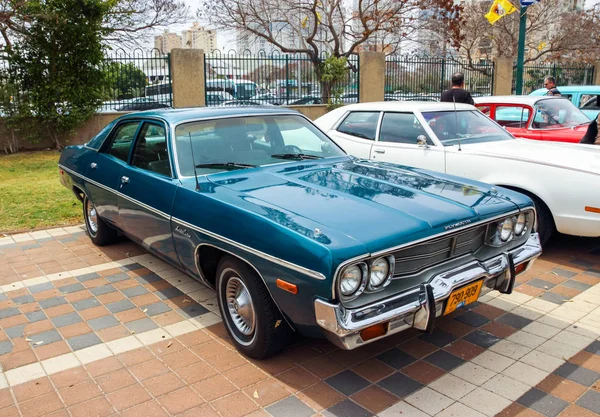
[553, 33]
[125, 23]
[318, 27]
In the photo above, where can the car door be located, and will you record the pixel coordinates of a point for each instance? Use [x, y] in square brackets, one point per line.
[398, 142]
[356, 133]
[104, 169]
[516, 119]
[146, 191]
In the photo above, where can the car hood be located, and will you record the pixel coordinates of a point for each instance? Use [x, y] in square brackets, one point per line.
[379, 205]
[572, 156]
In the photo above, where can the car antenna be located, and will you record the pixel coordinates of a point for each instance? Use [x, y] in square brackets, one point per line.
[456, 120]
[194, 162]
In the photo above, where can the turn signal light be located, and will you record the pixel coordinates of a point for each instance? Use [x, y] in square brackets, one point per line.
[374, 331]
[286, 286]
[520, 268]
[592, 209]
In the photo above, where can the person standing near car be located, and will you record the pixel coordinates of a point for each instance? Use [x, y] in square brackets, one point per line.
[457, 93]
[550, 84]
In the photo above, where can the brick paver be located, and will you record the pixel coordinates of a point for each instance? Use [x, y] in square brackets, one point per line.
[114, 331]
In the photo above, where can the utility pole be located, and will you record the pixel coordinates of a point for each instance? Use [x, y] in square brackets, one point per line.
[521, 50]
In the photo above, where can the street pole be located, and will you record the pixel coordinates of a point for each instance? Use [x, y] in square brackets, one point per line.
[521, 51]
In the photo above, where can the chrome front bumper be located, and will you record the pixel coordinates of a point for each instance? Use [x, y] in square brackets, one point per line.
[419, 308]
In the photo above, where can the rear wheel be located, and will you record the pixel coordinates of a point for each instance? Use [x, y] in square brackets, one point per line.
[251, 317]
[100, 233]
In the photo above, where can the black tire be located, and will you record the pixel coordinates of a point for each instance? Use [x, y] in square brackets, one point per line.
[545, 222]
[99, 232]
[269, 332]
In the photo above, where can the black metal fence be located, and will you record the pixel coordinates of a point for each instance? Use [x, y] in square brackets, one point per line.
[272, 79]
[533, 75]
[415, 78]
[136, 80]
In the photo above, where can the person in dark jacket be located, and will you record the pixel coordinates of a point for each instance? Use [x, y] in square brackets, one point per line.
[457, 93]
[550, 84]
[591, 134]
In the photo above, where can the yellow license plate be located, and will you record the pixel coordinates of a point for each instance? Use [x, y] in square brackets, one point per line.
[463, 296]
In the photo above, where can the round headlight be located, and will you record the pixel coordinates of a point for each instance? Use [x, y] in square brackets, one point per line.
[350, 280]
[506, 229]
[380, 271]
[520, 224]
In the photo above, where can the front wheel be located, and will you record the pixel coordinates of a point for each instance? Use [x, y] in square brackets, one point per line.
[545, 222]
[251, 317]
[100, 233]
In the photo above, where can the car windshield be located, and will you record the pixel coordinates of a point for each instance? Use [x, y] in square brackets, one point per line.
[466, 126]
[557, 113]
[245, 142]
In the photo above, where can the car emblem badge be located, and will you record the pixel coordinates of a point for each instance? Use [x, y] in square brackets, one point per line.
[317, 232]
[455, 225]
[183, 232]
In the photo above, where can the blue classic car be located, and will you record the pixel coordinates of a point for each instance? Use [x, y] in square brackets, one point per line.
[292, 233]
[586, 97]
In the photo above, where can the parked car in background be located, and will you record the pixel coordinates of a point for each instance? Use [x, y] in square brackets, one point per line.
[304, 101]
[244, 103]
[586, 97]
[268, 98]
[141, 104]
[215, 98]
[562, 179]
[540, 118]
[293, 233]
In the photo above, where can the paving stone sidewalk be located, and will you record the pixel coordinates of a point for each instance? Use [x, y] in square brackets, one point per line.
[116, 332]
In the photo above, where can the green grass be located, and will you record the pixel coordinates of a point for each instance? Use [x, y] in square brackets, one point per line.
[31, 195]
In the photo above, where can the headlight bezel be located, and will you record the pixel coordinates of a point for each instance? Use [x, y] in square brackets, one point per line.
[496, 238]
[362, 285]
[391, 263]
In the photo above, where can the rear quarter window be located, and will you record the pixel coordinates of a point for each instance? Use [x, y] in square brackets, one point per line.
[97, 141]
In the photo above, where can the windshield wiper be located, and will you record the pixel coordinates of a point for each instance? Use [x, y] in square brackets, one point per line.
[226, 165]
[295, 156]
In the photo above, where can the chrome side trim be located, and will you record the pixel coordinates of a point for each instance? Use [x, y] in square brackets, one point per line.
[133, 200]
[297, 268]
[266, 256]
[248, 263]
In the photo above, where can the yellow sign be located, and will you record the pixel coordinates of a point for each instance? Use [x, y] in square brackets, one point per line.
[463, 296]
[499, 9]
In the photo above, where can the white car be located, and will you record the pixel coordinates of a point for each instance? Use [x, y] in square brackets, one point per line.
[563, 179]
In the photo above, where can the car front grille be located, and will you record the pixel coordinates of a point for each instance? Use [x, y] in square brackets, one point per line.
[413, 259]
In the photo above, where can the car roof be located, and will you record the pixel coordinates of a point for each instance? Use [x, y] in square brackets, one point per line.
[183, 114]
[527, 100]
[572, 89]
[421, 106]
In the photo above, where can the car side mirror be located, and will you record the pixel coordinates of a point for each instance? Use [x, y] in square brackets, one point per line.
[422, 141]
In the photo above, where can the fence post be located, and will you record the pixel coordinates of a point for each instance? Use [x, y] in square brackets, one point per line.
[503, 76]
[443, 78]
[287, 77]
[596, 76]
[188, 78]
[371, 85]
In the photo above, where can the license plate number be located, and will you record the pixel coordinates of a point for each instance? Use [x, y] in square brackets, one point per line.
[463, 296]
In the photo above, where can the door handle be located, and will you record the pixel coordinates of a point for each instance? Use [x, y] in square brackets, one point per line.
[93, 165]
[124, 180]
[379, 150]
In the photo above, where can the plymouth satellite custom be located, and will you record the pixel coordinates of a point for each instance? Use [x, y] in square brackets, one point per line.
[291, 232]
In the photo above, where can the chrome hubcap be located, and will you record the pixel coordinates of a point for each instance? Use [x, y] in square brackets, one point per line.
[92, 216]
[239, 305]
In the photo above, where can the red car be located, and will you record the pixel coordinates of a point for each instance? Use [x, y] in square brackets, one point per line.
[540, 118]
